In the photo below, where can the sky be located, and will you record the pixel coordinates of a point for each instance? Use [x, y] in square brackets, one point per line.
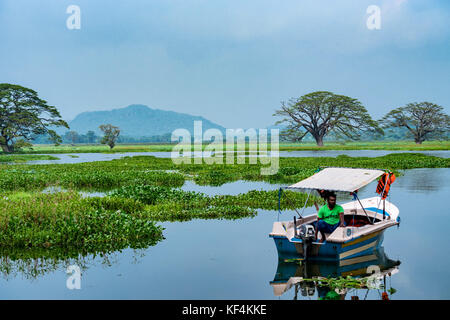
[230, 61]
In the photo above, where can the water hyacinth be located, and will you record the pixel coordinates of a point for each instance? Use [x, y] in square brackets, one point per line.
[146, 189]
[287, 146]
[149, 170]
[155, 194]
[16, 158]
[175, 204]
[82, 177]
[67, 220]
[182, 212]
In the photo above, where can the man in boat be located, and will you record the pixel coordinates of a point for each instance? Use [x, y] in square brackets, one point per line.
[329, 217]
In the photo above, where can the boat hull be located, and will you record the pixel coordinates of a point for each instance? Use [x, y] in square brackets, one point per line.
[328, 251]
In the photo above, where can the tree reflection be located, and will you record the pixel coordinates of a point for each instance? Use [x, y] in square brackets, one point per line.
[423, 180]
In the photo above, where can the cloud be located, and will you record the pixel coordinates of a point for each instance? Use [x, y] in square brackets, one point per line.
[219, 58]
[415, 24]
[324, 25]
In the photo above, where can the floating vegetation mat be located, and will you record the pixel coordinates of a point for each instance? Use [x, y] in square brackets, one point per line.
[148, 170]
[146, 189]
[67, 220]
[17, 158]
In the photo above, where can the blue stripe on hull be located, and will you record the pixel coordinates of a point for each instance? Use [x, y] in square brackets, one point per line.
[372, 244]
[328, 251]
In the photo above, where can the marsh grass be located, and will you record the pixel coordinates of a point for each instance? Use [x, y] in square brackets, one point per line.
[407, 145]
[167, 204]
[51, 149]
[148, 170]
[295, 169]
[83, 177]
[19, 158]
[146, 189]
[67, 220]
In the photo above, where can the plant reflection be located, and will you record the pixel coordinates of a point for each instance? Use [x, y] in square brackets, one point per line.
[34, 263]
[334, 280]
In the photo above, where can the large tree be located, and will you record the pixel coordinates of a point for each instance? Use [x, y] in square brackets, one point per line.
[111, 133]
[23, 115]
[424, 120]
[321, 112]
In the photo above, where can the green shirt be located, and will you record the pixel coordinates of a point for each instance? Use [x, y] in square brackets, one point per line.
[330, 216]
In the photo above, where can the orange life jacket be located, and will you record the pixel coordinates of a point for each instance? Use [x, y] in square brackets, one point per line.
[384, 184]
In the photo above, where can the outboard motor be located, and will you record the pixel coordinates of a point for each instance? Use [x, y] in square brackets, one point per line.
[307, 234]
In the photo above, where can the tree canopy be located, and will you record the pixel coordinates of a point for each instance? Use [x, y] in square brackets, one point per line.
[111, 134]
[424, 120]
[321, 112]
[23, 114]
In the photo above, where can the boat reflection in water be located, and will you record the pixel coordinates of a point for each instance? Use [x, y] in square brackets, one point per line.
[308, 277]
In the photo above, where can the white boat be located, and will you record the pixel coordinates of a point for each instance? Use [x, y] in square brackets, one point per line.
[366, 219]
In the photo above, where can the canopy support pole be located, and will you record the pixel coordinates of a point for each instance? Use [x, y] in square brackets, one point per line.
[371, 222]
[280, 191]
[304, 206]
[279, 205]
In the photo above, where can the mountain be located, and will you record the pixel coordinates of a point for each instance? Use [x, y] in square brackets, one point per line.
[137, 121]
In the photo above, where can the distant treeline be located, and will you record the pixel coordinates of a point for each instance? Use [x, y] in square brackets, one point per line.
[73, 137]
[390, 134]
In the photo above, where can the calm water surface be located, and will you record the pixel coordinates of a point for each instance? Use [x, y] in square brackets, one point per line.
[220, 259]
[90, 157]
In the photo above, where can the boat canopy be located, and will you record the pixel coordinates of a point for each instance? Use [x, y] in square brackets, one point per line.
[338, 179]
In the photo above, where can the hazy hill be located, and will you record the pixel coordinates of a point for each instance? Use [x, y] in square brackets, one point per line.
[137, 121]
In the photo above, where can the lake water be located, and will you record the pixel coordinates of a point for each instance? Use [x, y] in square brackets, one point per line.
[220, 259]
[90, 157]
